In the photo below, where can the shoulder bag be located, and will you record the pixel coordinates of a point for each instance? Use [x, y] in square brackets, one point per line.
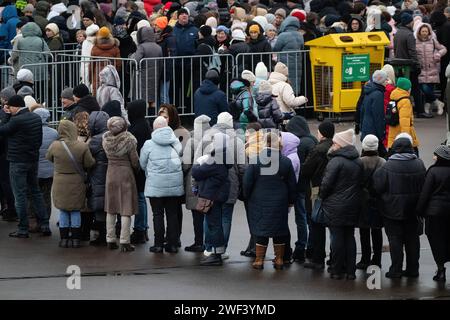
[79, 170]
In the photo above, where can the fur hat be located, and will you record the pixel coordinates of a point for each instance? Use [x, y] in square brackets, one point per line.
[345, 138]
[370, 143]
[104, 33]
[265, 87]
[280, 67]
[25, 75]
[117, 125]
[248, 75]
[225, 118]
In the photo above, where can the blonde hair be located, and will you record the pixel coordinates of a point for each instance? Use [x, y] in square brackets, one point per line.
[81, 121]
[82, 32]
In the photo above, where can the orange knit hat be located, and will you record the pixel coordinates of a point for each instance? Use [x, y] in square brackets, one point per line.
[254, 28]
[104, 33]
[161, 22]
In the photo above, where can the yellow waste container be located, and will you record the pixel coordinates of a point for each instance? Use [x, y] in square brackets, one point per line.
[341, 64]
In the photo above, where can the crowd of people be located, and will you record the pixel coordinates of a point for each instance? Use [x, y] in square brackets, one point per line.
[106, 159]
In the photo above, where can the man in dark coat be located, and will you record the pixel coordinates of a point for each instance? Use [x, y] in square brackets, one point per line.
[298, 126]
[399, 182]
[140, 128]
[205, 47]
[209, 99]
[84, 100]
[372, 118]
[168, 44]
[23, 130]
[340, 192]
[405, 48]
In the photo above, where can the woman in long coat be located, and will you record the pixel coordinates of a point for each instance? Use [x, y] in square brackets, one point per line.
[434, 204]
[121, 196]
[268, 210]
[69, 189]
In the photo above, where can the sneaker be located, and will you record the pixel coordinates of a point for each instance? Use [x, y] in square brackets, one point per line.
[225, 256]
[207, 253]
[212, 260]
[156, 249]
[17, 234]
[440, 107]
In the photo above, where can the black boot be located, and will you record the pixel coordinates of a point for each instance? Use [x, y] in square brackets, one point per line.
[64, 233]
[137, 237]
[10, 215]
[214, 259]
[76, 237]
[440, 275]
[299, 255]
[86, 224]
[101, 239]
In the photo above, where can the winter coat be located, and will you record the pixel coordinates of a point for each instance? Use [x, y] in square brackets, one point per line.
[150, 69]
[406, 116]
[49, 135]
[210, 100]
[260, 45]
[33, 41]
[429, 53]
[405, 45]
[340, 189]
[212, 180]
[268, 210]
[86, 53]
[290, 144]
[40, 14]
[168, 44]
[108, 47]
[88, 104]
[372, 111]
[69, 189]
[141, 130]
[269, 112]
[110, 89]
[186, 39]
[290, 39]
[244, 97]
[236, 48]
[286, 98]
[370, 214]
[97, 174]
[8, 26]
[434, 199]
[442, 29]
[298, 126]
[121, 196]
[24, 134]
[399, 183]
[314, 166]
[387, 99]
[160, 159]
[55, 43]
[205, 47]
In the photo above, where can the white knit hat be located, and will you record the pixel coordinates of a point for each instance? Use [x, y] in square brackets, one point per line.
[261, 71]
[92, 30]
[265, 86]
[25, 75]
[52, 27]
[143, 23]
[238, 34]
[370, 143]
[345, 138]
[404, 135]
[29, 101]
[225, 118]
[248, 75]
[262, 22]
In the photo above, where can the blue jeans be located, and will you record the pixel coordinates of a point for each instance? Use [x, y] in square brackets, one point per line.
[301, 222]
[23, 177]
[164, 91]
[140, 220]
[214, 231]
[227, 217]
[69, 219]
[428, 91]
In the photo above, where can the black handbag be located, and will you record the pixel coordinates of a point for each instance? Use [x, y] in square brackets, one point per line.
[79, 170]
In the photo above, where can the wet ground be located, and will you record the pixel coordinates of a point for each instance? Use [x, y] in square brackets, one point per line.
[35, 268]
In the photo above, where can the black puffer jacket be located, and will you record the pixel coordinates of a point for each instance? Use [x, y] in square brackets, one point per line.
[298, 126]
[97, 175]
[340, 190]
[399, 182]
[3, 140]
[140, 129]
[435, 197]
[316, 162]
[269, 113]
[260, 45]
[24, 133]
[88, 104]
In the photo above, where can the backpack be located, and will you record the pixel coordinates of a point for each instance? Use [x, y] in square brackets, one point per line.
[236, 107]
[392, 117]
[214, 61]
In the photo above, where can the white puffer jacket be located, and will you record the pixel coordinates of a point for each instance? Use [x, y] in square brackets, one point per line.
[285, 94]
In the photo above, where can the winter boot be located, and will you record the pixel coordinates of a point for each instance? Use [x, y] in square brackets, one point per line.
[440, 275]
[260, 255]
[112, 246]
[76, 237]
[64, 233]
[126, 247]
[101, 239]
[427, 108]
[440, 106]
[215, 259]
[137, 237]
[279, 254]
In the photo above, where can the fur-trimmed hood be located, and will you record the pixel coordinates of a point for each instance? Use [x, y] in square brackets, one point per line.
[119, 145]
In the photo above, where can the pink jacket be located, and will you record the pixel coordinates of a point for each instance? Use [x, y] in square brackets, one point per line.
[429, 53]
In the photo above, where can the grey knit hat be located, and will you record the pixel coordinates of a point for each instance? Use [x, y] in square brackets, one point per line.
[370, 143]
[443, 152]
[67, 93]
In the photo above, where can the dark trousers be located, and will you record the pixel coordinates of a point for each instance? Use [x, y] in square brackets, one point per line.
[318, 238]
[5, 186]
[169, 207]
[251, 243]
[215, 236]
[343, 250]
[402, 234]
[23, 177]
[437, 229]
[45, 185]
[264, 241]
[198, 220]
[416, 93]
[366, 248]
[87, 220]
[180, 218]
